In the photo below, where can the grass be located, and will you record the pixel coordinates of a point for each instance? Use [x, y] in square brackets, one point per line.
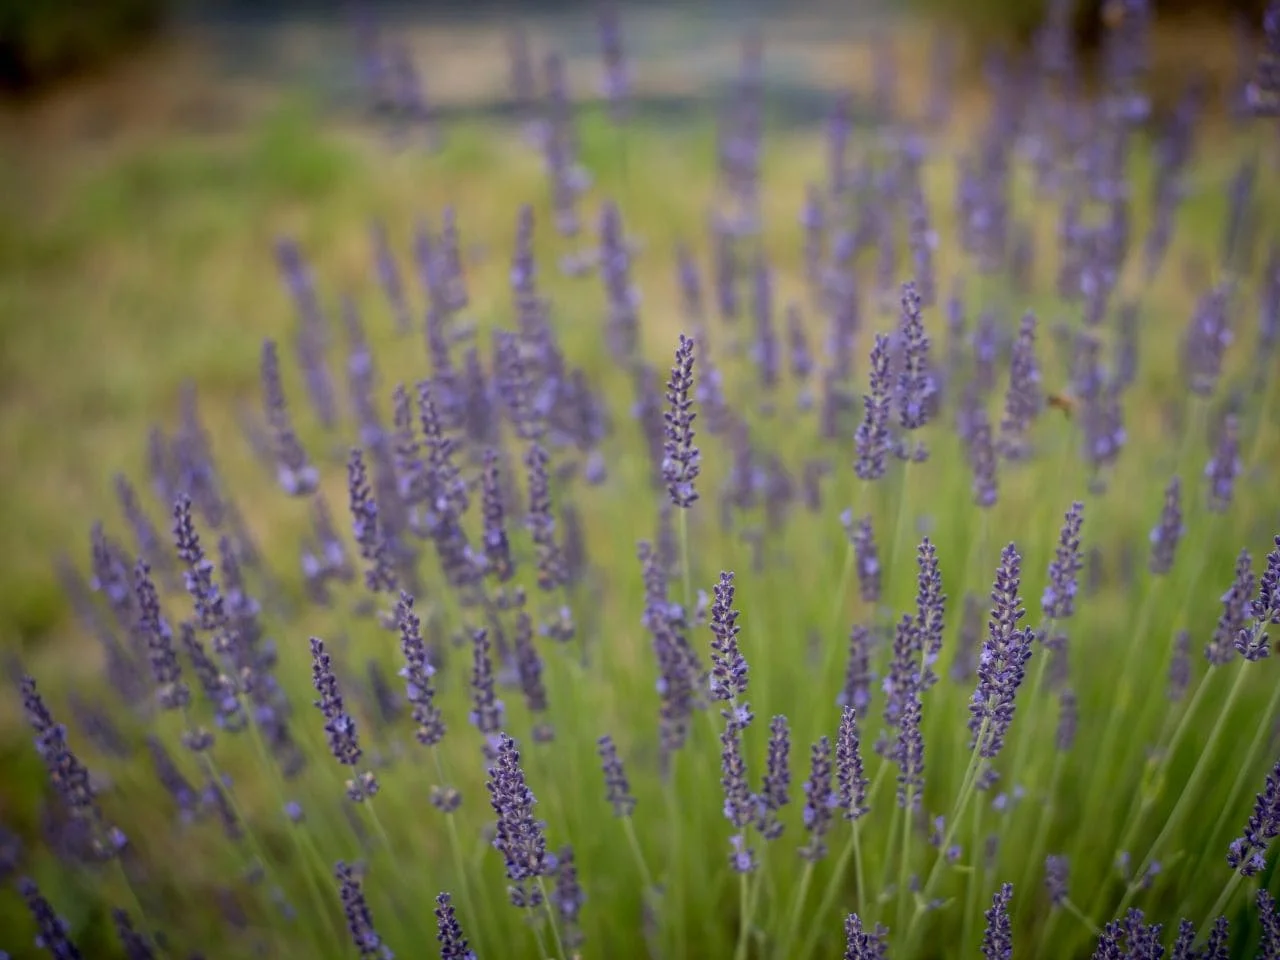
[128, 273]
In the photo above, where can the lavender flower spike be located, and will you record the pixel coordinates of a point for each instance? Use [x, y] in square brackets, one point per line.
[296, 476]
[1002, 666]
[1055, 879]
[617, 786]
[359, 918]
[380, 576]
[777, 780]
[1223, 468]
[820, 801]
[70, 777]
[997, 941]
[681, 460]
[171, 692]
[1247, 853]
[1166, 535]
[739, 804]
[519, 836]
[1235, 611]
[728, 666]
[861, 944]
[871, 439]
[51, 930]
[1059, 599]
[849, 775]
[417, 673]
[915, 384]
[339, 726]
[453, 945]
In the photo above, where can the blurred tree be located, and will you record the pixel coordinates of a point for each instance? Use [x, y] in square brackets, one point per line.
[41, 40]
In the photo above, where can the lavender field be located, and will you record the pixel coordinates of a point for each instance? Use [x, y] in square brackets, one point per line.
[633, 488]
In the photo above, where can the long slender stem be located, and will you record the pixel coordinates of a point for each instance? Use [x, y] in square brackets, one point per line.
[1189, 789]
[551, 919]
[797, 908]
[1224, 898]
[1262, 733]
[904, 863]
[1124, 690]
[744, 917]
[1044, 822]
[1138, 817]
[974, 886]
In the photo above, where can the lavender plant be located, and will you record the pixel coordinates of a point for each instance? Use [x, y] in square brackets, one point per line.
[520, 481]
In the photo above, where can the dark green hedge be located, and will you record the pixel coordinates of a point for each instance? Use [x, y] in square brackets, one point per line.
[43, 40]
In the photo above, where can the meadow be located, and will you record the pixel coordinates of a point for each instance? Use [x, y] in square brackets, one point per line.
[680, 521]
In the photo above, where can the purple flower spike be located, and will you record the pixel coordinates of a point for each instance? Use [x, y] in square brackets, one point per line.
[915, 383]
[417, 673]
[339, 726]
[1269, 948]
[1166, 535]
[453, 945]
[849, 774]
[1235, 611]
[1059, 599]
[52, 932]
[1055, 879]
[171, 692]
[866, 556]
[931, 604]
[1024, 399]
[680, 460]
[777, 780]
[820, 801]
[861, 944]
[617, 786]
[296, 476]
[380, 575]
[487, 710]
[1248, 852]
[729, 667]
[1223, 468]
[872, 436]
[1002, 666]
[359, 917]
[519, 837]
[997, 941]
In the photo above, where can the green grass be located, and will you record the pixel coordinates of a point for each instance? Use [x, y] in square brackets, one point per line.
[121, 278]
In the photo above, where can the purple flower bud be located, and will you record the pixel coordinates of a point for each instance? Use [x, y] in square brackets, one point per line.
[1235, 611]
[453, 945]
[997, 941]
[872, 436]
[820, 801]
[519, 837]
[1059, 599]
[680, 460]
[617, 786]
[1247, 854]
[1167, 534]
[359, 918]
[296, 476]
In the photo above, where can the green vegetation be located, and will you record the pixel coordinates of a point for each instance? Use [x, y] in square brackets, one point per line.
[126, 276]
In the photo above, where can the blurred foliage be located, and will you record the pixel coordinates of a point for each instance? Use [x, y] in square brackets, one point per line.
[42, 40]
[1017, 19]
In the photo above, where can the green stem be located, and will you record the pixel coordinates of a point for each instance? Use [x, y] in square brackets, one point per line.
[551, 918]
[1044, 821]
[1245, 774]
[962, 802]
[744, 918]
[1224, 898]
[1189, 790]
[797, 908]
[905, 860]
[685, 573]
[977, 852]
[1071, 908]
[1124, 691]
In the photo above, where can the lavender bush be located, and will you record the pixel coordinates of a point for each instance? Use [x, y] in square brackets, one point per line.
[571, 590]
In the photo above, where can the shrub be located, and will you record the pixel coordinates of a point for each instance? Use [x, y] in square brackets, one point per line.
[987, 587]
